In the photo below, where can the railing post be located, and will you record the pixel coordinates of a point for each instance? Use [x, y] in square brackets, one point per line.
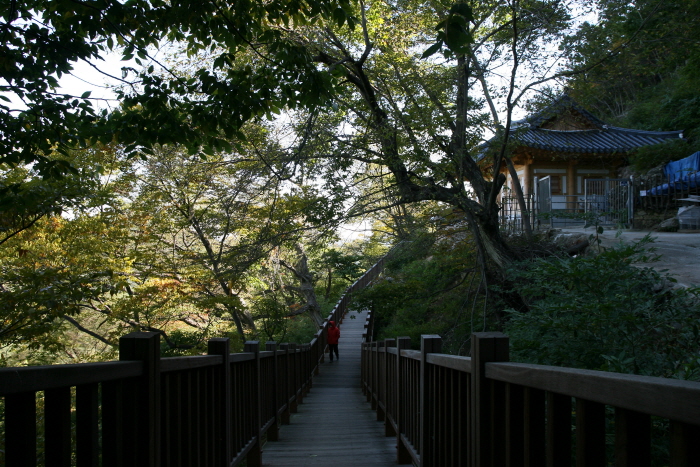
[287, 385]
[20, 429]
[319, 352]
[429, 344]
[145, 347]
[486, 347]
[388, 427]
[273, 431]
[254, 457]
[371, 395]
[306, 359]
[403, 455]
[222, 435]
[379, 380]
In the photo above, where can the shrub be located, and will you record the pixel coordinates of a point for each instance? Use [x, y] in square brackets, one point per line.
[605, 313]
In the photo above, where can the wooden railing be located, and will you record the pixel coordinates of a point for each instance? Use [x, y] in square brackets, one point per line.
[211, 410]
[483, 411]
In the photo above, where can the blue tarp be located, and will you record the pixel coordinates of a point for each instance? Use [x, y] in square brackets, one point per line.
[683, 176]
[678, 170]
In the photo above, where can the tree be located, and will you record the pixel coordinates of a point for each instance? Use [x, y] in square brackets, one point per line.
[42, 40]
[217, 218]
[420, 119]
[649, 78]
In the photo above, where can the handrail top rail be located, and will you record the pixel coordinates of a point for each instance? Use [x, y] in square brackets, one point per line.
[412, 354]
[454, 362]
[673, 399]
[17, 380]
[189, 362]
[513, 372]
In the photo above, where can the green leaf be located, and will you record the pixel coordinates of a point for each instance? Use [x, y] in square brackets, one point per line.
[432, 49]
[462, 9]
[339, 16]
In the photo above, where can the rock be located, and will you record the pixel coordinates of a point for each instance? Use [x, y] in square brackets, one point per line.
[669, 225]
[570, 241]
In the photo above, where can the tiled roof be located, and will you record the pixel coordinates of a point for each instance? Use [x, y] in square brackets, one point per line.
[601, 139]
[606, 140]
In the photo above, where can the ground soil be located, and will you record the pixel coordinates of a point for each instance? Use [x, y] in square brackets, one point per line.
[679, 251]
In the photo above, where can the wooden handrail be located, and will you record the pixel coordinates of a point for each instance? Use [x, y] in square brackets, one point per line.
[211, 410]
[482, 411]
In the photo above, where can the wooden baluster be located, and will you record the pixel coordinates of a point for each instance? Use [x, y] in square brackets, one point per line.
[87, 442]
[222, 395]
[20, 430]
[685, 444]
[388, 389]
[57, 409]
[318, 352]
[590, 433]
[534, 427]
[379, 381]
[558, 430]
[632, 438]
[403, 455]
[112, 424]
[254, 457]
[429, 344]
[515, 425]
[273, 431]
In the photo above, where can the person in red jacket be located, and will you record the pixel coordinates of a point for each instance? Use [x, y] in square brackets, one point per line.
[333, 336]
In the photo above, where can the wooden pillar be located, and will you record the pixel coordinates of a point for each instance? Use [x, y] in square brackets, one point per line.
[254, 456]
[320, 352]
[558, 433]
[685, 444]
[378, 381]
[403, 455]
[486, 347]
[526, 182]
[590, 433]
[571, 195]
[390, 412]
[273, 431]
[371, 351]
[20, 429]
[429, 344]
[145, 347]
[57, 414]
[534, 419]
[286, 413]
[632, 438]
[222, 394]
[87, 440]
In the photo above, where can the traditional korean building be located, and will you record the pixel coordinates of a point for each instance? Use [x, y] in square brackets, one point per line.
[570, 145]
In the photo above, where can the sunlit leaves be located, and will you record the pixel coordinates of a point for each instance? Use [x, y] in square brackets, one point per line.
[453, 31]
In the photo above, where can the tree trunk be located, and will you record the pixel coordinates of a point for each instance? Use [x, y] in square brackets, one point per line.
[306, 285]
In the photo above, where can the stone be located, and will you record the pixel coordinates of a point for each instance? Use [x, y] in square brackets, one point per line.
[669, 225]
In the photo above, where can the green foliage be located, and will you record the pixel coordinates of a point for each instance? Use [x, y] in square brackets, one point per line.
[429, 286]
[649, 157]
[300, 329]
[650, 82]
[42, 40]
[602, 312]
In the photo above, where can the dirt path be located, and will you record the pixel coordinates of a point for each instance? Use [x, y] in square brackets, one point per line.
[680, 251]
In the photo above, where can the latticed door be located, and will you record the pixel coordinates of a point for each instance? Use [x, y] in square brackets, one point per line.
[544, 200]
[608, 200]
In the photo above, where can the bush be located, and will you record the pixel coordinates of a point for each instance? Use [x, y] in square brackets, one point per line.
[430, 286]
[604, 313]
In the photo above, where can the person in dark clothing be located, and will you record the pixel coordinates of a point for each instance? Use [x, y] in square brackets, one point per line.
[333, 336]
